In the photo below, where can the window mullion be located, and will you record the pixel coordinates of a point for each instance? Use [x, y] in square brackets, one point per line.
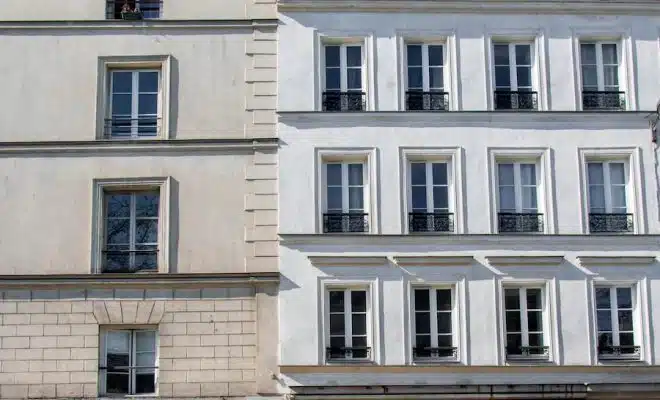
[513, 77]
[135, 96]
[615, 317]
[430, 206]
[600, 70]
[434, 317]
[343, 66]
[426, 80]
[348, 321]
[524, 327]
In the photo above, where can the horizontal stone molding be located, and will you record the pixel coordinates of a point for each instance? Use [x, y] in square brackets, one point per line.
[524, 260]
[155, 24]
[617, 261]
[433, 261]
[191, 146]
[348, 261]
[138, 280]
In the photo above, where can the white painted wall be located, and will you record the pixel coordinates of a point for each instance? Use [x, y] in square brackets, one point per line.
[468, 33]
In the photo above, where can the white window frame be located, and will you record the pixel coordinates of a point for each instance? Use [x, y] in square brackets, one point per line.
[517, 183]
[103, 358]
[600, 70]
[455, 321]
[135, 97]
[106, 65]
[607, 182]
[347, 289]
[524, 325]
[513, 76]
[102, 186]
[426, 80]
[345, 184]
[343, 65]
[636, 312]
[430, 204]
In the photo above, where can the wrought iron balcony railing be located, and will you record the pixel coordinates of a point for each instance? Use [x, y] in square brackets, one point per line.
[610, 223]
[619, 352]
[519, 222]
[427, 101]
[123, 128]
[519, 100]
[133, 9]
[433, 353]
[430, 222]
[129, 261]
[348, 353]
[345, 222]
[528, 352]
[344, 101]
[592, 100]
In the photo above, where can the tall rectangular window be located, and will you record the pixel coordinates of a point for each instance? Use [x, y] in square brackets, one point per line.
[524, 309]
[128, 362]
[429, 197]
[517, 198]
[131, 231]
[434, 324]
[345, 197]
[616, 323]
[343, 82]
[348, 324]
[425, 77]
[608, 205]
[599, 64]
[134, 104]
[513, 77]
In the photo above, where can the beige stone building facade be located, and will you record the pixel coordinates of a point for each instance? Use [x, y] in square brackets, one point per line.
[138, 204]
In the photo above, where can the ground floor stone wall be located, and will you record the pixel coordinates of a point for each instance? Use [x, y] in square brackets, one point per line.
[207, 339]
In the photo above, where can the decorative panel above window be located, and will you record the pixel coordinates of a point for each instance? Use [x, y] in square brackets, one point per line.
[514, 90]
[600, 67]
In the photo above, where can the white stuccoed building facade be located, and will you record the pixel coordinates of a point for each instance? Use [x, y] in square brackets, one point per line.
[468, 199]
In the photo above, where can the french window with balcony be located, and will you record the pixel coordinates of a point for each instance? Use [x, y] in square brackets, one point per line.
[430, 207]
[608, 199]
[615, 316]
[518, 206]
[425, 78]
[346, 197]
[131, 231]
[434, 324]
[134, 104]
[526, 337]
[600, 69]
[513, 63]
[128, 362]
[133, 9]
[343, 82]
[348, 335]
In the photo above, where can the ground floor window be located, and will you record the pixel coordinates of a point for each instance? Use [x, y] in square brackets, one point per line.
[128, 361]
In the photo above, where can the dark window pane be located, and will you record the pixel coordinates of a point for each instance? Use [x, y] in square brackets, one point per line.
[358, 301]
[435, 55]
[436, 80]
[146, 205]
[117, 231]
[337, 324]
[146, 261]
[418, 173]
[445, 341]
[604, 320]
[603, 297]
[337, 341]
[604, 339]
[440, 197]
[422, 322]
[122, 104]
[422, 300]
[501, 54]
[336, 301]
[359, 341]
[355, 174]
[146, 231]
[353, 56]
[419, 198]
[115, 262]
[624, 297]
[511, 299]
[332, 56]
[625, 320]
[148, 82]
[443, 298]
[502, 76]
[535, 321]
[439, 173]
[148, 104]
[513, 321]
[359, 324]
[356, 198]
[414, 54]
[524, 76]
[534, 299]
[513, 343]
[117, 383]
[145, 383]
[626, 339]
[333, 172]
[122, 82]
[415, 78]
[588, 53]
[444, 322]
[354, 79]
[334, 198]
[523, 54]
[536, 339]
[117, 362]
[422, 341]
[332, 79]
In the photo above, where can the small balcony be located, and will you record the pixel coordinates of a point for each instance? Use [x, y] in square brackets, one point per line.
[430, 222]
[603, 101]
[519, 100]
[610, 223]
[427, 101]
[528, 353]
[126, 127]
[519, 223]
[434, 353]
[619, 353]
[345, 223]
[347, 354]
[344, 101]
[132, 10]
[130, 261]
